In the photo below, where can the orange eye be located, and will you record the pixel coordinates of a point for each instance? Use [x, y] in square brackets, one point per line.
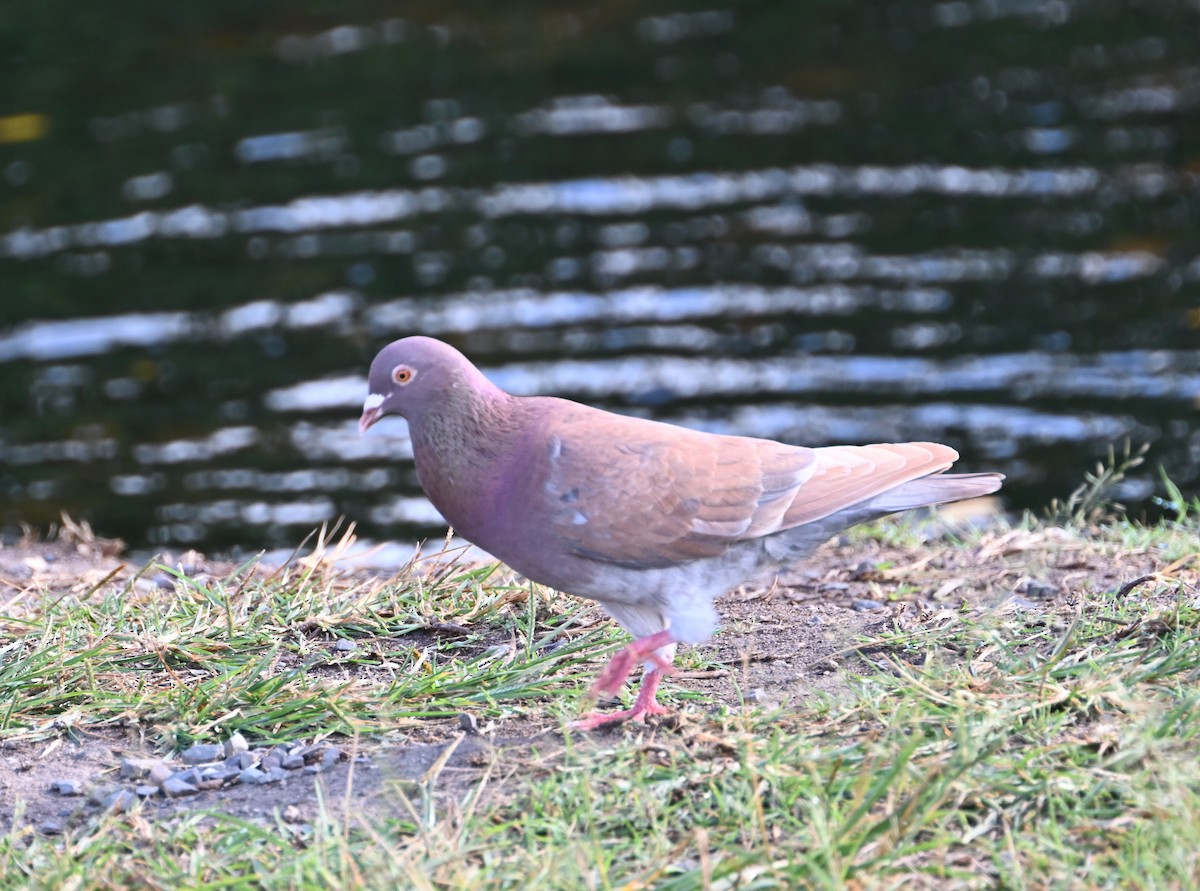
[402, 374]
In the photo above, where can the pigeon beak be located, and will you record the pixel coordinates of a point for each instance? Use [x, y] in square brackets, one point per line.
[372, 412]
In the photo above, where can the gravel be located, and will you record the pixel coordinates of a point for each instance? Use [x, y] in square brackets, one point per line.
[200, 768]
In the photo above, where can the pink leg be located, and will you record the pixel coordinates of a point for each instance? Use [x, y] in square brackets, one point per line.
[614, 676]
[645, 704]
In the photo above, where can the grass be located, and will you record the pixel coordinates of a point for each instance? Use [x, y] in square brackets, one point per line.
[256, 655]
[982, 742]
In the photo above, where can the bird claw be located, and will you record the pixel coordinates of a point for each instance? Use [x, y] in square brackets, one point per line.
[646, 702]
[592, 720]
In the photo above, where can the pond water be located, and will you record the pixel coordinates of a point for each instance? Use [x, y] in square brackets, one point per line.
[975, 222]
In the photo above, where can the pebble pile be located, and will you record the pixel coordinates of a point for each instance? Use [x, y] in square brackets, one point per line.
[203, 767]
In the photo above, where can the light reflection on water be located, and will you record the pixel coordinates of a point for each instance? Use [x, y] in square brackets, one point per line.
[756, 253]
[623, 196]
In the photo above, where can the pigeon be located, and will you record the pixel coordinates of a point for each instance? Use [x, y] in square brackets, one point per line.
[650, 520]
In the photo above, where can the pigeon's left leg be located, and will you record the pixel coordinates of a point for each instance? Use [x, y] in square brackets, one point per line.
[611, 679]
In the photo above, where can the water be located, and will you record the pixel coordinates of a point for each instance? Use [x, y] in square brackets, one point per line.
[968, 221]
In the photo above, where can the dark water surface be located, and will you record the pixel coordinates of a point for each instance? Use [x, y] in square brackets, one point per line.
[977, 222]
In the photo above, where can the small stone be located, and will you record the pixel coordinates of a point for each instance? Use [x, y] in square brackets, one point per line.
[235, 745]
[67, 787]
[119, 802]
[251, 776]
[241, 760]
[262, 778]
[136, 768]
[469, 723]
[218, 774]
[100, 794]
[292, 762]
[145, 791]
[331, 756]
[202, 753]
[276, 754]
[176, 786]
[345, 646]
[271, 761]
[1036, 589]
[51, 827]
[865, 605]
[308, 753]
[291, 814]
[190, 775]
[314, 769]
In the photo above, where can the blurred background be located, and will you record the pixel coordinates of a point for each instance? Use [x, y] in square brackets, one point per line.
[975, 221]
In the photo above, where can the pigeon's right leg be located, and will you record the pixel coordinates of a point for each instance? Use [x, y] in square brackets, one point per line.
[642, 649]
[645, 649]
[645, 704]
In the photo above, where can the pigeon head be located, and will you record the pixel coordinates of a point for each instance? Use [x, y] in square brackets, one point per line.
[412, 374]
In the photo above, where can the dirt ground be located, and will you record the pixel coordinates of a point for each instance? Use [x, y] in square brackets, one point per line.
[779, 647]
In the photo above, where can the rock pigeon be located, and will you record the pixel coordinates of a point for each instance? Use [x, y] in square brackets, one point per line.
[651, 520]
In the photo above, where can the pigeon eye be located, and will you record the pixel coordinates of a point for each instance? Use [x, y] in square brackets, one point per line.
[402, 374]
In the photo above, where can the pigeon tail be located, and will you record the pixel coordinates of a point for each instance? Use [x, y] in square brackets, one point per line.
[938, 488]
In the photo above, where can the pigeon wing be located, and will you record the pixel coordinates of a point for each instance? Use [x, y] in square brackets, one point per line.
[642, 494]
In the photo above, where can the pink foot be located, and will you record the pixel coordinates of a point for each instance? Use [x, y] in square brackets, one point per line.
[645, 704]
[614, 676]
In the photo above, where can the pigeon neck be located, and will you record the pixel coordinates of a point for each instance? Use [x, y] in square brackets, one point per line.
[463, 442]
